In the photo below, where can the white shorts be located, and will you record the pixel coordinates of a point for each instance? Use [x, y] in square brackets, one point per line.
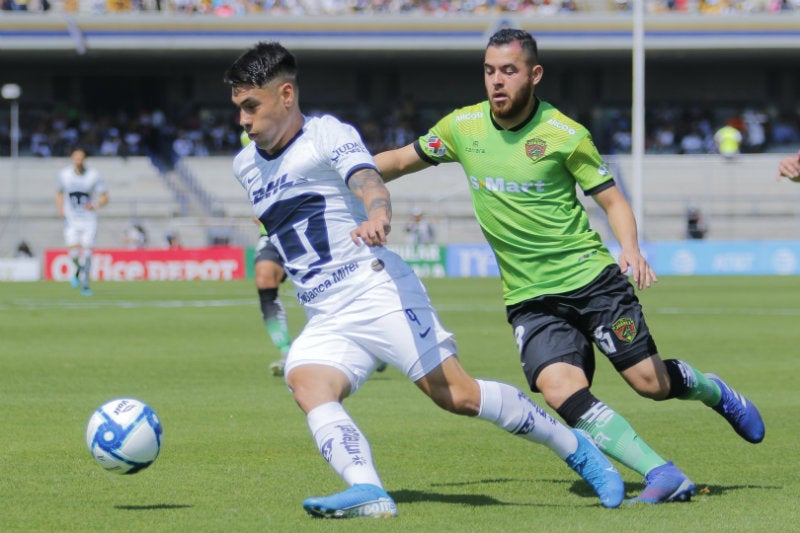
[393, 322]
[80, 233]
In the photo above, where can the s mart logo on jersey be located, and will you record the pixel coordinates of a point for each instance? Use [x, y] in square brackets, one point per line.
[535, 148]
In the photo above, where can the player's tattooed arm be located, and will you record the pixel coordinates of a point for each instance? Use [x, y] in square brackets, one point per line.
[369, 187]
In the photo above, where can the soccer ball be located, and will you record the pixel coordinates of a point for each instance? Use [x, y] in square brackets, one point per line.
[124, 436]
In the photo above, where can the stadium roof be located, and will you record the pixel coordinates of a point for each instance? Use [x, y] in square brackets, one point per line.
[27, 33]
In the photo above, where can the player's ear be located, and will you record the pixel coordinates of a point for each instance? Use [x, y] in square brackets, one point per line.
[287, 93]
[536, 74]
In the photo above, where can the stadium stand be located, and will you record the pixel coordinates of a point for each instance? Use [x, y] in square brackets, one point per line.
[75, 69]
[741, 201]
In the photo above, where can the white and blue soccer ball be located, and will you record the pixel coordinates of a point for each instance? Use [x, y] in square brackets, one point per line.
[124, 436]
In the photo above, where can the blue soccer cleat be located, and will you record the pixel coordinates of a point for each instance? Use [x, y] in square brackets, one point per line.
[360, 500]
[739, 412]
[75, 282]
[590, 463]
[665, 483]
[86, 291]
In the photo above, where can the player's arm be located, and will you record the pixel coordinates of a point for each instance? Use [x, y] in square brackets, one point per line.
[623, 224]
[789, 167]
[60, 203]
[395, 163]
[102, 200]
[368, 186]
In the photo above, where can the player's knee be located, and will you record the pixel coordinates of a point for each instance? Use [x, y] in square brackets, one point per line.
[648, 381]
[457, 398]
[313, 386]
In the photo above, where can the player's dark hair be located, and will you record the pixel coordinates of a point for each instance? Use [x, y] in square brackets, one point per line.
[260, 65]
[509, 35]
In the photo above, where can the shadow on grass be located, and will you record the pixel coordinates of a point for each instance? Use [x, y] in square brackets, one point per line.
[580, 488]
[719, 490]
[477, 500]
[154, 507]
[577, 487]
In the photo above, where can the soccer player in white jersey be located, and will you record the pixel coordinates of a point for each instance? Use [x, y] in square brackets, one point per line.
[314, 186]
[81, 191]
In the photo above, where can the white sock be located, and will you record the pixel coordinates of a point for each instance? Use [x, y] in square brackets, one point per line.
[342, 444]
[510, 409]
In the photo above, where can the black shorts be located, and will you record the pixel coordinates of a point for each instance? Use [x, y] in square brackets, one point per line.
[564, 327]
[266, 251]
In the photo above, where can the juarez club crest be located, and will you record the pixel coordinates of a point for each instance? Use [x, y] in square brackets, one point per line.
[535, 148]
[625, 329]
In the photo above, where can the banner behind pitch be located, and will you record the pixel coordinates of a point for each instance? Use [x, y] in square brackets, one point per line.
[212, 263]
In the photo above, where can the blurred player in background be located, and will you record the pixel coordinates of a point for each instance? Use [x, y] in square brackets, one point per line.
[81, 191]
[269, 275]
[562, 288]
[789, 167]
[315, 188]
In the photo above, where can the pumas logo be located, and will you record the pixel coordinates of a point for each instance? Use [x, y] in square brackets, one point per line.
[535, 148]
[625, 329]
[436, 146]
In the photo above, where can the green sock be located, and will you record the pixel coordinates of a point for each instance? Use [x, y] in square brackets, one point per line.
[615, 436]
[699, 386]
[279, 334]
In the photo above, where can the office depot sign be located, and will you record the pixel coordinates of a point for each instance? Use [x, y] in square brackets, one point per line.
[212, 263]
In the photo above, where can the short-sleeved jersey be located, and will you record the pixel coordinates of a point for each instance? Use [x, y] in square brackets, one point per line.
[523, 185]
[79, 190]
[301, 197]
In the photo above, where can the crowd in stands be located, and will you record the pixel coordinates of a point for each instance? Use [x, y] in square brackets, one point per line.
[682, 130]
[202, 133]
[227, 8]
[669, 130]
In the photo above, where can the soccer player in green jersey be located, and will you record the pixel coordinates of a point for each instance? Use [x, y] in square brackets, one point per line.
[562, 288]
[269, 274]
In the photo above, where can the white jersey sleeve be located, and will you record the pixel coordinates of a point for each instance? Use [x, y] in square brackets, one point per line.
[302, 198]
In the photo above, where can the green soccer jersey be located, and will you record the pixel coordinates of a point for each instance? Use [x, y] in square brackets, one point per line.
[524, 194]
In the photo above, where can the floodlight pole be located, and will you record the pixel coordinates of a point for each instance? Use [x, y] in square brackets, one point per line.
[12, 92]
[637, 125]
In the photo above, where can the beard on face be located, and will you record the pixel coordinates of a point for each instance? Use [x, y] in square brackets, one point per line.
[514, 105]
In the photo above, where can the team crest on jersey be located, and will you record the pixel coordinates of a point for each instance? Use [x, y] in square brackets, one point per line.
[436, 146]
[625, 329]
[535, 148]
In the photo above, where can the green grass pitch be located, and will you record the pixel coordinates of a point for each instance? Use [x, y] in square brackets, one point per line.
[237, 455]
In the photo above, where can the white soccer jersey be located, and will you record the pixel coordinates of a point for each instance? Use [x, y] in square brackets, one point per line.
[301, 197]
[78, 190]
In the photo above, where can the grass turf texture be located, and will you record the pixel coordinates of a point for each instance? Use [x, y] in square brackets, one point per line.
[238, 457]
